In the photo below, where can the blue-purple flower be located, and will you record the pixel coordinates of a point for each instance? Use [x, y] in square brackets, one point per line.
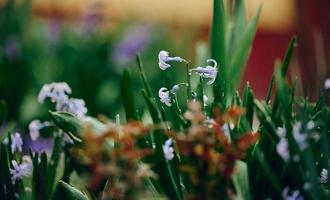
[135, 39]
[16, 142]
[21, 170]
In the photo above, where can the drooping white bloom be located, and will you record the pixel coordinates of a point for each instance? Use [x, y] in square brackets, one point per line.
[16, 142]
[209, 72]
[300, 137]
[295, 195]
[163, 58]
[164, 96]
[282, 149]
[35, 126]
[327, 84]
[324, 176]
[168, 149]
[20, 170]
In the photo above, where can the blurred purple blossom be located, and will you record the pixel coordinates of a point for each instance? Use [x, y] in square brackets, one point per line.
[11, 48]
[54, 29]
[91, 21]
[135, 39]
[39, 145]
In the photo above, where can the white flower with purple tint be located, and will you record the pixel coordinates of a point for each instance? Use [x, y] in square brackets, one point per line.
[168, 149]
[281, 131]
[35, 126]
[16, 142]
[299, 136]
[282, 149]
[58, 94]
[164, 96]
[295, 195]
[324, 176]
[21, 170]
[164, 57]
[209, 72]
[327, 84]
[77, 107]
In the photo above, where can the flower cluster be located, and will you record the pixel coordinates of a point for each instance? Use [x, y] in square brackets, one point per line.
[20, 170]
[58, 94]
[208, 147]
[120, 163]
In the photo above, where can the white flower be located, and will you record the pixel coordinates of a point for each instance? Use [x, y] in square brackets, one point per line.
[205, 100]
[16, 142]
[294, 196]
[299, 136]
[324, 176]
[327, 84]
[226, 129]
[19, 171]
[282, 149]
[281, 132]
[168, 149]
[77, 107]
[310, 125]
[35, 126]
[164, 96]
[163, 58]
[208, 71]
[57, 92]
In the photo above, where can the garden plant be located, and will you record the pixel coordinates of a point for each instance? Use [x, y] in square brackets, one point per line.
[197, 137]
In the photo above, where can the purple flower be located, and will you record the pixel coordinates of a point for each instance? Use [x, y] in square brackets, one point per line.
[134, 40]
[12, 48]
[16, 142]
[91, 21]
[20, 170]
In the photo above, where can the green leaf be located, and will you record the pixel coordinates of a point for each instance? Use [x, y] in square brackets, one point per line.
[165, 169]
[143, 77]
[127, 96]
[270, 90]
[284, 69]
[241, 181]
[241, 53]
[68, 123]
[288, 55]
[218, 51]
[248, 103]
[3, 111]
[72, 192]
